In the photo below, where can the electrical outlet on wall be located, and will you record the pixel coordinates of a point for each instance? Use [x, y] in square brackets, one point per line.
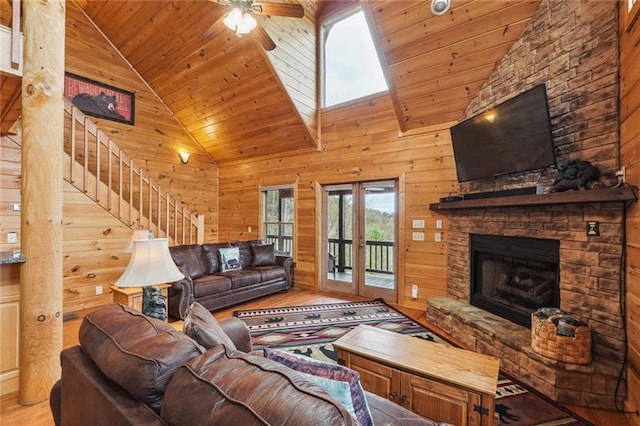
[98, 290]
[12, 237]
[414, 291]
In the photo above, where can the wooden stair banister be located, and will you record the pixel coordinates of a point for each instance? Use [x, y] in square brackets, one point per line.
[132, 197]
[127, 194]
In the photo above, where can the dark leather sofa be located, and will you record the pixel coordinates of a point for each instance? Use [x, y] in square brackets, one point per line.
[130, 369]
[262, 273]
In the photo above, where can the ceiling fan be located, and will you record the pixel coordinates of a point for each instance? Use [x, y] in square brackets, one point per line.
[241, 21]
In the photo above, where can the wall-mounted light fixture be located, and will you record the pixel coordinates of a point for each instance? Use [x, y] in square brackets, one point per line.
[184, 157]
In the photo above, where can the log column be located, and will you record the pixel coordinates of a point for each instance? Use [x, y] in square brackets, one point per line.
[42, 198]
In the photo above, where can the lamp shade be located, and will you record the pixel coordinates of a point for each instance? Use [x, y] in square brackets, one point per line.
[138, 234]
[150, 264]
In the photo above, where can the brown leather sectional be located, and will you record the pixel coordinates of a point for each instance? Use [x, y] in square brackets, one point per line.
[261, 274]
[130, 369]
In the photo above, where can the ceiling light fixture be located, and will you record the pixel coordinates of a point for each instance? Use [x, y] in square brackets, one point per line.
[440, 7]
[240, 21]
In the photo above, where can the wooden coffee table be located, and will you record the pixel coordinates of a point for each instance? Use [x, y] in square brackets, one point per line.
[442, 383]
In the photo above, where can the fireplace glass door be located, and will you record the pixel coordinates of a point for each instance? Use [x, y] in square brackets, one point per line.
[512, 277]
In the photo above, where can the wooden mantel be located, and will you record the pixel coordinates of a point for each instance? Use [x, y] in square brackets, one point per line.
[625, 193]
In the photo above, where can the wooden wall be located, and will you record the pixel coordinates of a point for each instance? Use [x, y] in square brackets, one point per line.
[155, 139]
[9, 274]
[360, 141]
[630, 156]
[92, 238]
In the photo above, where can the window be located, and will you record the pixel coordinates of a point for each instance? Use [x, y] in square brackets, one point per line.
[633, 10]
[278, 216]
[351, 64]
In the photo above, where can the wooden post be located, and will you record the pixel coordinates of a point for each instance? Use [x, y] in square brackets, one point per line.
[42, 199]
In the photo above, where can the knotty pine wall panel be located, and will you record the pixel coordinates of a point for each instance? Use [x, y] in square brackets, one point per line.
[10, 181]
[360, 142]
[157, 137]
[92, 242]
[630, 157]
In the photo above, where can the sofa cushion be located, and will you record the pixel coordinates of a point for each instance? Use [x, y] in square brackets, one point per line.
[212, 254]
[263, 255]
[230, 259]
[243, 278]
[207, 285]
[268, 273]
[234, 388]
[246, 256]
[341, 382]
[190, 259]
[131, 349]
[200, 325]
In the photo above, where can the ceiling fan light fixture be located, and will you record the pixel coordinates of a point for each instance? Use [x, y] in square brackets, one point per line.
[240, 21]
[248, 23]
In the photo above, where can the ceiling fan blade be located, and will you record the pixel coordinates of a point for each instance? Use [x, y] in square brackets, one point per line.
[278, 9]
[261, 36]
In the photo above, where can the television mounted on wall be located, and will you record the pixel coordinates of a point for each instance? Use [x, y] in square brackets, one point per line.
[512, 137]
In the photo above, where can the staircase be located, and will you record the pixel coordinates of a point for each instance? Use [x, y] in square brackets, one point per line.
[97, 166]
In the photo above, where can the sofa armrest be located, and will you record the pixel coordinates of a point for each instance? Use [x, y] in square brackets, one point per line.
[238, 332]
[180, 297]
[287, 263]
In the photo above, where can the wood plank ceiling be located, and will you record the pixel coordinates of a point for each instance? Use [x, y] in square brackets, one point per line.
[239, 101]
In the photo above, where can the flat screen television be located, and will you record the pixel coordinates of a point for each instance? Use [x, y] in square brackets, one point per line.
[512, 137]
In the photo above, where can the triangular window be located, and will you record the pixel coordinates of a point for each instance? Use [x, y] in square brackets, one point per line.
[351, 65]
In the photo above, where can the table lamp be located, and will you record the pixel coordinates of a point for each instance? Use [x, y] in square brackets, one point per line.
[150, 264]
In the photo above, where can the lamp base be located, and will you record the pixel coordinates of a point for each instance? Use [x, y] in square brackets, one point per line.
[153, 303]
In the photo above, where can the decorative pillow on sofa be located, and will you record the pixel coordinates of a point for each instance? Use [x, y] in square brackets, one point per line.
[230, 259]
[201, 326]
[263, 255]
[212, 254]
[189, 259]
[340, 382]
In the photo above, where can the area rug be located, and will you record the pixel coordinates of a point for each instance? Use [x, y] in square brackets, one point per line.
[310, 330]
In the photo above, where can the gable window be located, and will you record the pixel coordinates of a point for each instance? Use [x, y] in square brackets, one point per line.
[351, 65]
[633, 10]
[278, 218]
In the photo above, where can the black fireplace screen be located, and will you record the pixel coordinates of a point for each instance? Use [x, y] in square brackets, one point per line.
[513, 276]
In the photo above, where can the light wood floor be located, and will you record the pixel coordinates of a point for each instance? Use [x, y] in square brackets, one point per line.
[11, 413]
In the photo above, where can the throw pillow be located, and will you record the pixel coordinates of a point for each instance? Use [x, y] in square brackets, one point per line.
[263, 255]
[340, 382]
[201, 326]
[230, 259]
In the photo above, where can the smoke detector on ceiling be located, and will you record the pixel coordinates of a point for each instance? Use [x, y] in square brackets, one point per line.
[440, 7]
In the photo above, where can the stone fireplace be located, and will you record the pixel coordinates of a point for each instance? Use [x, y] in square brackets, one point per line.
[588, 287]
[572, 48]
[513, 276]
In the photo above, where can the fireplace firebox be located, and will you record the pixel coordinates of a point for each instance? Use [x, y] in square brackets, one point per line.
[513, 276]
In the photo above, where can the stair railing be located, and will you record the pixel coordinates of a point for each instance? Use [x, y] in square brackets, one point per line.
[103, 171]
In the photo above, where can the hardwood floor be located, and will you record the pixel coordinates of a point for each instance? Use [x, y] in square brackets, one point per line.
[11, 413]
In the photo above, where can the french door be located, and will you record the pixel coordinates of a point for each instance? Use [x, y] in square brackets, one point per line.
[359, 239]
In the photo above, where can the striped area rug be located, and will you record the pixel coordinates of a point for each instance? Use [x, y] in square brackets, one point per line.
[311, 329]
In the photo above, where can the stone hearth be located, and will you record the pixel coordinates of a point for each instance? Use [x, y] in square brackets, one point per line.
[590, 385]
[589, 288]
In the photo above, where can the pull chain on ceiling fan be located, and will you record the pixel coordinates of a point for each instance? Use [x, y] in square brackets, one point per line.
[241, 21]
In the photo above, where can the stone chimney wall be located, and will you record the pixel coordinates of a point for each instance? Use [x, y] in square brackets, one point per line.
[572, 47]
